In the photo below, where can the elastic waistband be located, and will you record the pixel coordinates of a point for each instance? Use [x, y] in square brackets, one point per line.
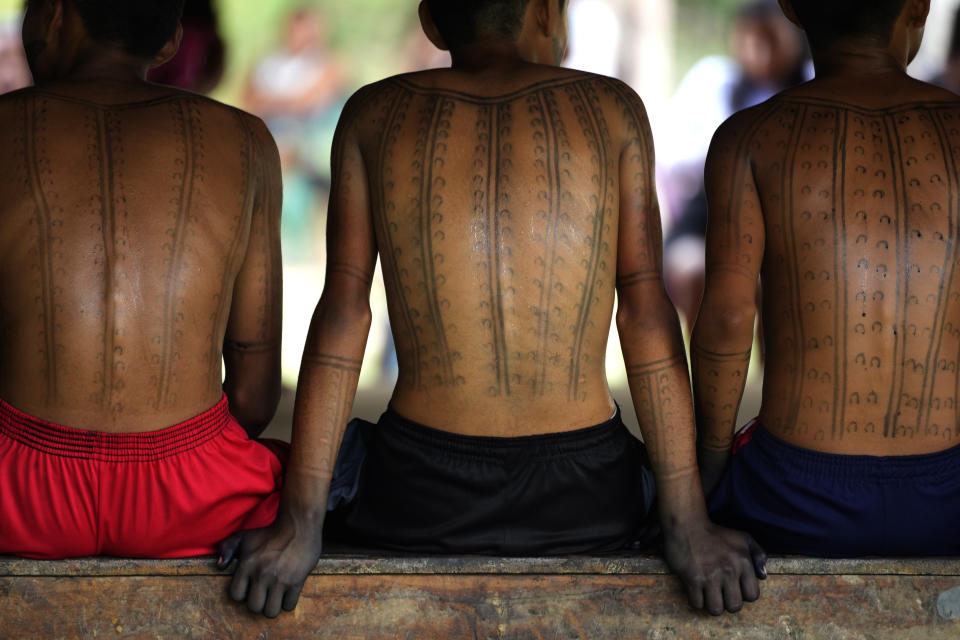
[145, 446]
[548, 444]
[792, 458]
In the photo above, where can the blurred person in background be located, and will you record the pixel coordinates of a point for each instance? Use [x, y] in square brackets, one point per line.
[769, 54]
[14, 72]
[198, 64]
[298, 89]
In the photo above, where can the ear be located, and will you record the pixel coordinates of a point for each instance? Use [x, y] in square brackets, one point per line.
[430, 27]
[55, 25]
[546, 13]
[787, 7]
[170, 49]
[918, 10]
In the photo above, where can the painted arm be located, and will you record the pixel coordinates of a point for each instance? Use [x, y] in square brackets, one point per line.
[251, 345]
[723, 335]
[274, 561]
[718, 567]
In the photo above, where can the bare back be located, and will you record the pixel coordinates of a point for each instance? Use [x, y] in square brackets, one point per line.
[496, 211]
[854, 208]
[129, 219]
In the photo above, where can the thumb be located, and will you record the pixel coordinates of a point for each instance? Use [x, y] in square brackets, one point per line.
[229, 549]
[758, 556]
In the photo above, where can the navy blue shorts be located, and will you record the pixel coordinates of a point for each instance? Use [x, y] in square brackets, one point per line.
[799, 501]
[404, 486]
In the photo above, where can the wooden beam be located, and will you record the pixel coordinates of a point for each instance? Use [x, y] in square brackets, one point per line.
[476, 597]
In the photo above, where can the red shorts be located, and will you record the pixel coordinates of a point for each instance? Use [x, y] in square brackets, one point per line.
[159, 494]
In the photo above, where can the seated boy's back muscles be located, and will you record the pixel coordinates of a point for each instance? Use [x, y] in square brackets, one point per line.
[851, 211]
[497, 221]
[505, 223]
[128, 259]
[509, 200]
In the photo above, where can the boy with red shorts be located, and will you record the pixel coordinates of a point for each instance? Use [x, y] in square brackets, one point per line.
[139, 249]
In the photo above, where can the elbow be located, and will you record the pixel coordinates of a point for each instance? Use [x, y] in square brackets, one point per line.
[652, 314]
[254, 411]
[344, 314]
[254, 402]
[726, 319]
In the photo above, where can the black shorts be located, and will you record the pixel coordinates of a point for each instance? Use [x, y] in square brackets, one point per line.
[403, 486]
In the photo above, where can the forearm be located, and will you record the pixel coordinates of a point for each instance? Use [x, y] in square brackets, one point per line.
[327, 386]
[660, 388]
[720, 354]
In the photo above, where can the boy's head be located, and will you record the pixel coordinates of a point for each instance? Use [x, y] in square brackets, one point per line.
[866, 21]
[142, 29]
[452, 24]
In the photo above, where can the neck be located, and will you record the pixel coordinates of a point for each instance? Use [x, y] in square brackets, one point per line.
[106, 65]
[858, 61]
[493, 54]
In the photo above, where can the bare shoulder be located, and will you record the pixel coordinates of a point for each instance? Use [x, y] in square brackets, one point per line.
[733, 138]
[12, 100]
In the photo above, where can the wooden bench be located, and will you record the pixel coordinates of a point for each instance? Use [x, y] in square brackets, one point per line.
[475, 597]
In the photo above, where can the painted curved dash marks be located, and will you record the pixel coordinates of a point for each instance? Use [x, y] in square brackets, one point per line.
[593, 123]
[47, 219]
[188, 166]
[860, 266]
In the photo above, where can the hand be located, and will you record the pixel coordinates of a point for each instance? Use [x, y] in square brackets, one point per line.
[719, 567]
[274, 562]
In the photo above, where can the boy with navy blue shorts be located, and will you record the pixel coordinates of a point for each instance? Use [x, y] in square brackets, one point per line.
[841, 195]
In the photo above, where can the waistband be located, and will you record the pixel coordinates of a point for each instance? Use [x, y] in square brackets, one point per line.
[145, 446]
[851, 467]
[540, 445]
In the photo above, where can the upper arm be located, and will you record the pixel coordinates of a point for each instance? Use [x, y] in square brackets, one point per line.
[256, 312]
[639, 250]
[351, 241]
[735, 227]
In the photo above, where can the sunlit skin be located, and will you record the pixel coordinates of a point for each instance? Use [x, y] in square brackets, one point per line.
[509, 202]
[140, 242]
[841, 196]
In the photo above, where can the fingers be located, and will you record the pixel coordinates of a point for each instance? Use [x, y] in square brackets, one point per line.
[228, 549]
[758, 556]
[257, 595]
[732, 598]
[713, 598]
[694, 593]
[749, 587]
[291, 597]
[240, 583]
[274, 600]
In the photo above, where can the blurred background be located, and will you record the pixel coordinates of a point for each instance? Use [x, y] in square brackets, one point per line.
[295, 62]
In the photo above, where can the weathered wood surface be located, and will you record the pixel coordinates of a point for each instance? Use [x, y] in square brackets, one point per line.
[414, 597]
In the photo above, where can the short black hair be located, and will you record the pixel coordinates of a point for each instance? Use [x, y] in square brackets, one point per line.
[464, 21]
[141, 27]
[826, 20]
